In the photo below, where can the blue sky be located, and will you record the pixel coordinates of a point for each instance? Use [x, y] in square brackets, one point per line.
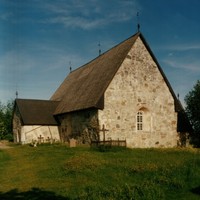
[39, 39]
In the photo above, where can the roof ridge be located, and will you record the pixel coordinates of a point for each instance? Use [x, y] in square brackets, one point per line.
[138, 33]
[20, 99]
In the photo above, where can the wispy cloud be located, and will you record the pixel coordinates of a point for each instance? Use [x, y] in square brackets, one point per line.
[87, 14]
[35, 67]
[90, 14]
[183, 47]
[189, 64]
[74, 22]
[182, 55]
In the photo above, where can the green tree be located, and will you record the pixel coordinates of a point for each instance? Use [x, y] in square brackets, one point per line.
[192, 100]
[6, 120]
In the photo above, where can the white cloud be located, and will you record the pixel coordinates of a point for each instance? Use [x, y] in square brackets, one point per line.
[37, 64]
[192, 65]
[75, 22]
[87, 14]
[91, 13]
[182, 56]
[183, 47]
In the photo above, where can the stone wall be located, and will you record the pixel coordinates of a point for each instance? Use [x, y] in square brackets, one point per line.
[81, 125]
[16, 126]
[139, 86]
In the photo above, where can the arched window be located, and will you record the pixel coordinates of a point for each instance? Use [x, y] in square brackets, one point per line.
[140, 121]
[143, 120]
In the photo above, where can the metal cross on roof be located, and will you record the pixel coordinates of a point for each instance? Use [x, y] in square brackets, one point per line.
[70, 66]
[16, 94]
[138, 22]
[99, 48]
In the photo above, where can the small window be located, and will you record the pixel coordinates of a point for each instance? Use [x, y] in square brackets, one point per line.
[139, 121]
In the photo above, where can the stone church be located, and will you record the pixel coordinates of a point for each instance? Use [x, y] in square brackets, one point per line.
[124, 90]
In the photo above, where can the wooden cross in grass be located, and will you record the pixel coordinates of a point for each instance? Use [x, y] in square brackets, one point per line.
[40, 139]
[104, 132]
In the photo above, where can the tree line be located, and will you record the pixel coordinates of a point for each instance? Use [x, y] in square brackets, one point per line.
[6, 112]
[192, 100]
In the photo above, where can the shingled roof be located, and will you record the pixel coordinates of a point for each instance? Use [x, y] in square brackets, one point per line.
[84, 87]
[36, 112]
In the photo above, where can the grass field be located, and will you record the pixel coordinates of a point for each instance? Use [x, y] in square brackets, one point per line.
[59, 172]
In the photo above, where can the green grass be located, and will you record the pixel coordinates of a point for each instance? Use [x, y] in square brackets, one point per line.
[59, 172]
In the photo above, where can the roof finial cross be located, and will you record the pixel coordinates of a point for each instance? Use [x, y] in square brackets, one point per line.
[16, 93]
[138, 22]
[99, 48]
[70, 67]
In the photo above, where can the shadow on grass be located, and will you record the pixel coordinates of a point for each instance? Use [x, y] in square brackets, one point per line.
[33, 194]
[196, 190]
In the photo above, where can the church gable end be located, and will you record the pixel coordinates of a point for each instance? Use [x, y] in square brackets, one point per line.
[138, 104]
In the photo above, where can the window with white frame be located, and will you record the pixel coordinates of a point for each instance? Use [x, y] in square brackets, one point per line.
[140, 121]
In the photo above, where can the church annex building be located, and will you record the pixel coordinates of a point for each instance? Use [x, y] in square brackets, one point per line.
[123, 89]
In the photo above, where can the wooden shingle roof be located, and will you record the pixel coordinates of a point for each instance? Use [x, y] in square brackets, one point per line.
[84, 87]
[36, 112]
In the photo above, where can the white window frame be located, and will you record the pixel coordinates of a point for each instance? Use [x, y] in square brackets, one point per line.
[139, 119]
